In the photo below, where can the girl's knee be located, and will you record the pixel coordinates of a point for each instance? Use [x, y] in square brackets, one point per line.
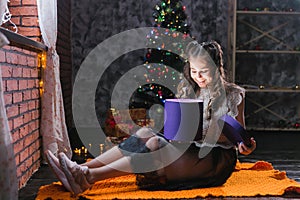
[144, 132]
[152, 143]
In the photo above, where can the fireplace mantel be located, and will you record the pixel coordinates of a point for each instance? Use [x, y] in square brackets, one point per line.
[23, 42]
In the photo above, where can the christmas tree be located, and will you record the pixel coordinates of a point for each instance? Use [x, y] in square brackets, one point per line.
[162, 65]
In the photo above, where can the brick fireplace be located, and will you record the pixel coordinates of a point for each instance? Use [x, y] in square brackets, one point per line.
[20, 63]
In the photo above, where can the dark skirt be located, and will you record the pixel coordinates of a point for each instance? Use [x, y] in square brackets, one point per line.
[218, 165]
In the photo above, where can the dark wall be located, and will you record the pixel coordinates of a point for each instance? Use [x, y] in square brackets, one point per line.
[93, 21]
[277, 32]
[65, 55]
[281, 33]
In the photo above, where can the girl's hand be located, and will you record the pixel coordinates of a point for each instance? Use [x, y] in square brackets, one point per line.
[243, 149]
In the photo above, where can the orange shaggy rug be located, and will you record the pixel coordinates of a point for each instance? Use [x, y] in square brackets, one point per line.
[248, 180]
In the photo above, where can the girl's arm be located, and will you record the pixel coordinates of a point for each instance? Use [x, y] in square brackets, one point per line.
[243, 149]
[241, 117]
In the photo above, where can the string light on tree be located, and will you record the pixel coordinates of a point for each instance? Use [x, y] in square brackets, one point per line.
[161, 64]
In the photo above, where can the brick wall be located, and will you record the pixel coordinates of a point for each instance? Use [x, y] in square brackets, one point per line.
[21, 90]
[24, 15]
[21, 94]
[64, 52]
[21, 83]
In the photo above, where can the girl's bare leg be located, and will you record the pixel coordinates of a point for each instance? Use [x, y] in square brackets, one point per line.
[107, 157]
[111, 170]
[115, 153]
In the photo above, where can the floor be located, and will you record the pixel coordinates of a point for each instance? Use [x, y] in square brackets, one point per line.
[282, 149]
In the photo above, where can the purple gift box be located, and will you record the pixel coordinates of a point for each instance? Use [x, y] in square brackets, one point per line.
[183, 119]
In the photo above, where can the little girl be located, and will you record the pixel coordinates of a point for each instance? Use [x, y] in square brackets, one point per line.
[205, 163]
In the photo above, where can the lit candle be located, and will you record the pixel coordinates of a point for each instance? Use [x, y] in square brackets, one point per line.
[76, 151]
[101, 148]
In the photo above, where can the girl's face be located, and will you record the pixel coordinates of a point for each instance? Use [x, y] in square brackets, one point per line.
[200, 72]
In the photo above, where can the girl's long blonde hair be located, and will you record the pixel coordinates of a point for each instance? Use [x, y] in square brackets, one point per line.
[212, 53]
